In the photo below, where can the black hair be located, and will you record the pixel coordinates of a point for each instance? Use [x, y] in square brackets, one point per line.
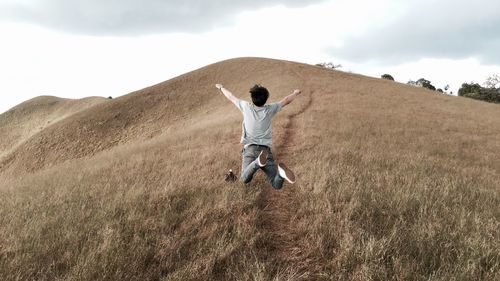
[259, 95]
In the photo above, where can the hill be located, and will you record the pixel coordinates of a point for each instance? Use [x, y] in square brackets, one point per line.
[30, 117]
[395, 182]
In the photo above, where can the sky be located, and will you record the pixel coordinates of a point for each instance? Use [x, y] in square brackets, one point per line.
[80, 48]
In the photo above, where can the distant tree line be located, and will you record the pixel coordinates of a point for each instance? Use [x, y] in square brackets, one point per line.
[422, 82]
[489, 92]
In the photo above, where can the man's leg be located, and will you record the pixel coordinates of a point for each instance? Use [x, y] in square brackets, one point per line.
[272, 173]
[249, 164]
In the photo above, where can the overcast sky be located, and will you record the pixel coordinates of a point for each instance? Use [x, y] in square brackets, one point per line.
[82, 48]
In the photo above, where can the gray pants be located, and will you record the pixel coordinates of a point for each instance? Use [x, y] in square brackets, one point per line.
[250, 166]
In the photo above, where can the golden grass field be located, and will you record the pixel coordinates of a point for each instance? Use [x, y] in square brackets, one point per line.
[394, 183]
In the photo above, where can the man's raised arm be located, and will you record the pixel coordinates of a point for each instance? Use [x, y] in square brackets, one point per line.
[288, 99]
[227, 94]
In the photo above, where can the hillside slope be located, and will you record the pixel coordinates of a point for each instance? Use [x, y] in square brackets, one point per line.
[394, 183]
[143, 114]
[32, 116]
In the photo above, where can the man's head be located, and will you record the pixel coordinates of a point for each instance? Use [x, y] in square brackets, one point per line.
[259, 95]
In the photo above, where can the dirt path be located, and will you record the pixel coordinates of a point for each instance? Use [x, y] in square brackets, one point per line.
[279, 245]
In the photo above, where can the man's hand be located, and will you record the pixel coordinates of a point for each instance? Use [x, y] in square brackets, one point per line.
[219, 86]
[288, 99]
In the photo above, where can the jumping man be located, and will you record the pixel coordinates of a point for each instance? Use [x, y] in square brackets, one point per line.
[257, 135]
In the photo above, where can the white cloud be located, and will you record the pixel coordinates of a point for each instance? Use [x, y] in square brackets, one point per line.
[430, 29]
[126, 17]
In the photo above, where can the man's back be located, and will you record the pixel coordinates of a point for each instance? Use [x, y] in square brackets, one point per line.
[257, 122]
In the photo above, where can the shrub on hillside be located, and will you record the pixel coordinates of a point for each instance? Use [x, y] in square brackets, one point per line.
[469, 89]
[476, 91]
[387, 77]
[329, 65]
[445, 90]
[424, 83]
[412, 83]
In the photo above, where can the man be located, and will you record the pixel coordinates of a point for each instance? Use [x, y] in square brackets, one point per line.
[257, 135]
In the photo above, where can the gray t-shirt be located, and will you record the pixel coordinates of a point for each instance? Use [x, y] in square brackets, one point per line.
[257, 122]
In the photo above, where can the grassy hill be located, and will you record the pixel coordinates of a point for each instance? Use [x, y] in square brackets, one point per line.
[394, 183]
[32, 116]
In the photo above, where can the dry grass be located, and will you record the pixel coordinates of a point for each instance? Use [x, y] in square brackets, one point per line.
[146, 211]
[32, 116]
[406, 186]
[395, 183]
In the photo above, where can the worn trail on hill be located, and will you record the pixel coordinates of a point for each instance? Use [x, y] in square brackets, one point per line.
[280, 244]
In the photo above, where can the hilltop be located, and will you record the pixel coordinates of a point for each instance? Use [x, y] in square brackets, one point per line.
[394, 182]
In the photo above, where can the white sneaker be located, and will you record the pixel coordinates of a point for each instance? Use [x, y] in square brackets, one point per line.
[262, 159]
[230, 176]
[286, 173]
